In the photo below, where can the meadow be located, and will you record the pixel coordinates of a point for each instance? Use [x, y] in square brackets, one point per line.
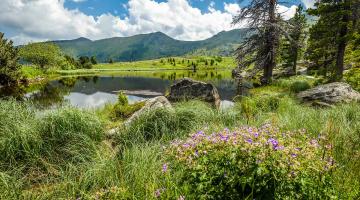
[186, 153]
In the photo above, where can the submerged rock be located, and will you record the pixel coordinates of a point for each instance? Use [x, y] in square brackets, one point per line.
[330, 94]
[187, 89]
[150, 105]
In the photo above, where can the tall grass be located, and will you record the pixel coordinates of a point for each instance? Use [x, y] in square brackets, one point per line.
[63, 154]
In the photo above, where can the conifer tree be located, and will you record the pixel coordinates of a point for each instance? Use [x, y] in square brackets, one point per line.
[9, 67]
[338, 24]
[294, 42]
[260, 48]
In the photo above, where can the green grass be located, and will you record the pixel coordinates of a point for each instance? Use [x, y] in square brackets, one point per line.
[64, 154]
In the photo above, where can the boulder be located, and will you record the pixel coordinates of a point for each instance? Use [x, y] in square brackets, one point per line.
[150, 105]
[187, 89]
[331, 93]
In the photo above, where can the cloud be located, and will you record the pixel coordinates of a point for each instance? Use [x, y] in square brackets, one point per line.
[286, 12]
[36, 20]
[78, 1]
[308, 3]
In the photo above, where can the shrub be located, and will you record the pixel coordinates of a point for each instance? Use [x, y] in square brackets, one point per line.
[122, 99]
[252, 163]
[353, 78]
[299, 86]
[125, 111]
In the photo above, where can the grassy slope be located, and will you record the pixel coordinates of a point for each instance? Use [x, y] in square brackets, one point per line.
[156, 65]
[130, 168]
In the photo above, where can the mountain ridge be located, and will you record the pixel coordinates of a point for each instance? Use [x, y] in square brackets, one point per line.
[150, 46]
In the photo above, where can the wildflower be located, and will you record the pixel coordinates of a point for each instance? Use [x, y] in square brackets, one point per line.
[164, 168]
[196, 153]
[278, 147]
[249, 141]
[157, 193]
[294, 155]
[256, 134]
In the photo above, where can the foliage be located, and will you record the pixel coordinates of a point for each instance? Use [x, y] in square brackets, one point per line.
[9, 67]
[299, 86]
[353, 78]
[255, 163]
[85, 62]
[40, 54]
[293, 44]
[122, 99]
[261, 47]
[331, 35]
[125, 111]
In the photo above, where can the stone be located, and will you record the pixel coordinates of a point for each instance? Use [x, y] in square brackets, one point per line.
[150, 105]
[331, 93]
[187, 89]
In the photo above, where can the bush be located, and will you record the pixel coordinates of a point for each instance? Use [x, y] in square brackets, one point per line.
[353, 78]
[122, 99]
[125, 111]
[252, 163]
[299, 86]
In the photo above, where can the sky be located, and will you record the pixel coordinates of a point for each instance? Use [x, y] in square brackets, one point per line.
[25, 21]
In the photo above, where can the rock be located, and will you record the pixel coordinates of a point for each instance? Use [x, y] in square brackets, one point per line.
[150, 105]
[330, 93]
[187, 89]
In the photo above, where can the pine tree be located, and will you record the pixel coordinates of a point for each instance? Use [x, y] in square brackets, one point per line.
[294, 42]
[261, 47]
[9, 67]
[338, 22]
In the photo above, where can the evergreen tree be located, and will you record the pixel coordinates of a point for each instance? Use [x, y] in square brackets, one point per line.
[9, 67]
[338, 22]
[261, 47]
[294, 42]
[93, 60]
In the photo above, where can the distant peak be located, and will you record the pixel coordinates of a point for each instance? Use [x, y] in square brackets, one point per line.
[82, 39]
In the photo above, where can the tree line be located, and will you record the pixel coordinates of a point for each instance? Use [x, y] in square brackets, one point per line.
[272, 40]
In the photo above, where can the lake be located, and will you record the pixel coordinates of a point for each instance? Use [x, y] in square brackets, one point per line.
[94, 91]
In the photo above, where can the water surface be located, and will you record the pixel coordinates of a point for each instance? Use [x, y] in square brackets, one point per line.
[96, 91]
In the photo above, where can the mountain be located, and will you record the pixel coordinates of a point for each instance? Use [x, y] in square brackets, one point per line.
[150, 46]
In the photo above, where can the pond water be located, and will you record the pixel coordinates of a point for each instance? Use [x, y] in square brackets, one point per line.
[95, 91]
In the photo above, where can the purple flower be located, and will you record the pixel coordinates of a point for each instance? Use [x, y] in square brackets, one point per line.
[196, 153]
[164, 168]
[157, 193]
[249, 141]
[278, 147]
[256, 134]
[294, 155]
[274, 143]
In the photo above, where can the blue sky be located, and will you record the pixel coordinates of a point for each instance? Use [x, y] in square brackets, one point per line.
[26, 21]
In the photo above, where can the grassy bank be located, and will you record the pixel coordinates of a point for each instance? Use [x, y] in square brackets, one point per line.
[65, 154]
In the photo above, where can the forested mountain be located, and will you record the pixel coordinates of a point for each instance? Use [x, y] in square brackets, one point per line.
[150, 46]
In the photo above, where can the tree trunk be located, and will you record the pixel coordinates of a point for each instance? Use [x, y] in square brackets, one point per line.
[342, 44]
[271, 44]
[295, 60]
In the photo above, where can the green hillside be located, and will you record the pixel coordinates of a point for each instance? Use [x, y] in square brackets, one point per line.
[150, 46]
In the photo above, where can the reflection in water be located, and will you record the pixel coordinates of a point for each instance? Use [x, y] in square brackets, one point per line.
[95, 91]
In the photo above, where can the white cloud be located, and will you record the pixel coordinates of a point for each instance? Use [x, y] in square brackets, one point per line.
[35, 20]
[309, 3]
[286, 12]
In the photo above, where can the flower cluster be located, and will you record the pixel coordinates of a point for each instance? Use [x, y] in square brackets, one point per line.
[251, 157]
